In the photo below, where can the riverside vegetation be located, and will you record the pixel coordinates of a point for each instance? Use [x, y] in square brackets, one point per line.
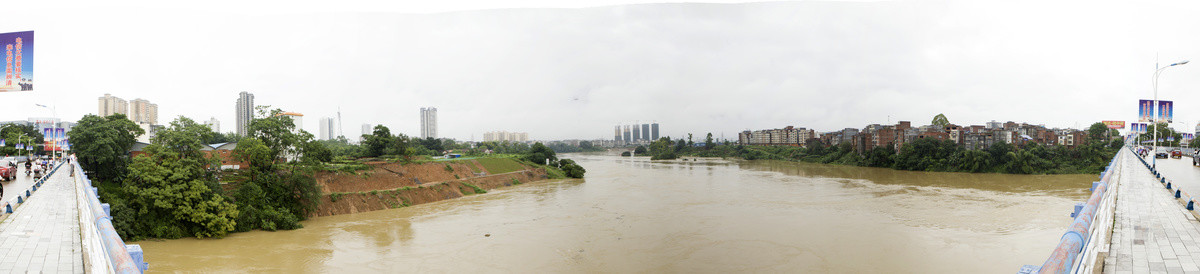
[920, 155]
[173, 190]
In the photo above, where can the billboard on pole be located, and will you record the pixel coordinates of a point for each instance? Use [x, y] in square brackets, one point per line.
[1115, 124]
[1145, 110]
[1166, 111]
[17, 48]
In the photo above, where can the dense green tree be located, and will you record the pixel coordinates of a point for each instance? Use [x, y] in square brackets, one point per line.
[975, 161]
[378, 141]
[639, 150]
[1097, 132]
[708, 142]
[880, 156]
[168, 189]
[432, 144]
[316, 152]
[400, 146]
[102, 144]
[277, 132]
[539, 154]
[940, 120]
[571, 169]
[14, 134]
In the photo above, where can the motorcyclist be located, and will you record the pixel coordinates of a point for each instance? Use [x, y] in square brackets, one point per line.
[28, 166]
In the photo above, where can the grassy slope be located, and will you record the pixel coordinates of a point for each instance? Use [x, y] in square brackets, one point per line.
[500, 165]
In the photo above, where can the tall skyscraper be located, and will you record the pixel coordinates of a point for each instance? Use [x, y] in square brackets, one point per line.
[646, 132]
[142, 111]
[654, 131]
[213, 124]
[245, 112]
[626, 133]
[325, 132]
[637, 133]
[617, 133]
[429, 123]
[110, 105]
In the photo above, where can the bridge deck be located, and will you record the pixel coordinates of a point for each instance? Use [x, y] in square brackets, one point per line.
[43, 234]
[1152, 232]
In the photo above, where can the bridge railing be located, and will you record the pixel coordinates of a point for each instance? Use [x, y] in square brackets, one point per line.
[104, 250]
[9, 206]
[1079, 248]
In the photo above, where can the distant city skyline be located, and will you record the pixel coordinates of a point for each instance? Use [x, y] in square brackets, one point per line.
[605, 65]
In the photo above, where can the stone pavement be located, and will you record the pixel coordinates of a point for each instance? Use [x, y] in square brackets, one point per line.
[1152, 233]
[43, 234]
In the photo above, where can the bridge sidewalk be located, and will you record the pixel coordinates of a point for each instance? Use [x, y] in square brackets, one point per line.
[43, 234]
[1152, 232]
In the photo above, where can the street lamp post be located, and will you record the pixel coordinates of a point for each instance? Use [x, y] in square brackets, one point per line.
[1154, 161]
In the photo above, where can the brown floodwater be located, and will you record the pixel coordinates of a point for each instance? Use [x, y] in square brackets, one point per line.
[679, 217]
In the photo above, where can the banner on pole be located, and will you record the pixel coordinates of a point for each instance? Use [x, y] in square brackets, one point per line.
[1166, 111]
[17, 48]
[1145, 110]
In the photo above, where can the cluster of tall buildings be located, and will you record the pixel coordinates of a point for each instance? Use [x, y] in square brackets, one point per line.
[876, 135]
[503, 136]
[635, 133]
[139, 110]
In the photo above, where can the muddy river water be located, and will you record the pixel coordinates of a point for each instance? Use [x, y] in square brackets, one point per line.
[671, 217]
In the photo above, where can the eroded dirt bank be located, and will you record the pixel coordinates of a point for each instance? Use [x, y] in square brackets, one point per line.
[390, 185]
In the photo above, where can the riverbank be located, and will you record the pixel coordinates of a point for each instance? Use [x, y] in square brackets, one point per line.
[920, 155]
[392, 185]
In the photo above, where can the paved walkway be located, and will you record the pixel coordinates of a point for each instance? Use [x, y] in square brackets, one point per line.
[43, 234]
[1153, 233]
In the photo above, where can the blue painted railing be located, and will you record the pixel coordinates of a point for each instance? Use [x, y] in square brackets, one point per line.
[1066, 256]
[121, 258]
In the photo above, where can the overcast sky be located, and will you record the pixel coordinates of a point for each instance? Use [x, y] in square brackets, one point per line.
[574, 69]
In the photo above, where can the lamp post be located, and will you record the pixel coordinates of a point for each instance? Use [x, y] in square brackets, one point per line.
[1154, 162]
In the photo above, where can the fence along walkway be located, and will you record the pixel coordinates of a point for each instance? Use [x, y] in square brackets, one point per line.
[43, 234]
[1152, 231]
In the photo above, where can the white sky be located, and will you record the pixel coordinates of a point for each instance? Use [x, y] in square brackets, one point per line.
[574, 69]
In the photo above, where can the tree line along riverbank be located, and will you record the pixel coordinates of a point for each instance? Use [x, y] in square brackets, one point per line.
[173, 188]
[926, 154]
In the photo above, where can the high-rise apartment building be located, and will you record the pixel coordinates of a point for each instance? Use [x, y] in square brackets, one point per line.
[245, 112]
[617, 133]
[367, 129]
[213, 124]
[637, 133]
[654, 131]
[142, 111]
[429, 123]
[110, 105]
[325, 130]
[646, 132]
[626, 133]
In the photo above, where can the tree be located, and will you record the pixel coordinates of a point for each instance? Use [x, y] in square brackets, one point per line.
[639, 150]
[378, 141]
[539, 154]
[277, 132]
[571, 169]
[1098, 132]
[708, 142]
[940, 120]
[689, 142]
[22, 134]
[168, 188]
[432, 144]
[316, 152]
[102, 144]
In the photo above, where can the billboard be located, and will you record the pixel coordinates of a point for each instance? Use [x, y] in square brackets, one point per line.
[18, 61]
[54, 138]
[1166, 111]
[1115, 124]
[1145, 110]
